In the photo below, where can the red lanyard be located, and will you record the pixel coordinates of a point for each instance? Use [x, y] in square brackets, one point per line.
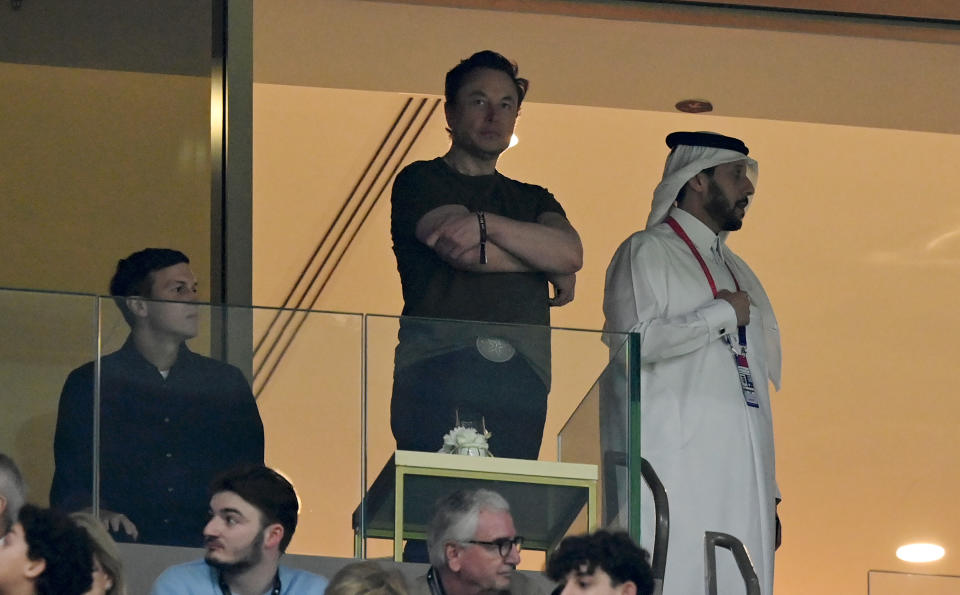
[739, 358]
[696, 253]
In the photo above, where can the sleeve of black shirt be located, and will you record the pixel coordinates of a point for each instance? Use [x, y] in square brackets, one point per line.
[408, 202]
[73, 443]
[249, 447]
[549, 204]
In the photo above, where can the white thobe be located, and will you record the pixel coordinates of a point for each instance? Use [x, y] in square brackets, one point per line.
[713, 453]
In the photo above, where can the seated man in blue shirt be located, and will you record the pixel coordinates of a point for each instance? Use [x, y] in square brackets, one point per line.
[253, 514]
[170, 420]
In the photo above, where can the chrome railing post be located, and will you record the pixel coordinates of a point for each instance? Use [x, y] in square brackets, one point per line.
[713, 540]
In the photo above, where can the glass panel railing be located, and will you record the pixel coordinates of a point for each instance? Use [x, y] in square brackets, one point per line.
[598, 433]
[252, 384]
[423, 376]
[43, 336]
[190, 395]
[884, 582]
[311, 404]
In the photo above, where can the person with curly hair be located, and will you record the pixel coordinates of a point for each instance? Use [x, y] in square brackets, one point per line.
[45, 553]
[601, 563]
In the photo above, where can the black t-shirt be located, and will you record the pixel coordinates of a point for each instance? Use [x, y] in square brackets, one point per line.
[434, 289]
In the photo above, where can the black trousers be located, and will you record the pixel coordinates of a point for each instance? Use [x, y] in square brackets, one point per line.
[510, 396]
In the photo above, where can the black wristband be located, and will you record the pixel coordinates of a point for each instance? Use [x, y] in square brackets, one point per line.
[482, 220]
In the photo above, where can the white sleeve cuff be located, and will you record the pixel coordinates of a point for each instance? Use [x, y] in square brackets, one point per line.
[721, 318]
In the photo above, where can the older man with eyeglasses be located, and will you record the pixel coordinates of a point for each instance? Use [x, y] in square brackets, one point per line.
[474, 548]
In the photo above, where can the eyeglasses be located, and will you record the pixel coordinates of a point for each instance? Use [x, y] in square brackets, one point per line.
[504, 545]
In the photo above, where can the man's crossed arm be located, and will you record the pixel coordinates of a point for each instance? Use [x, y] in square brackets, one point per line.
[550, 245]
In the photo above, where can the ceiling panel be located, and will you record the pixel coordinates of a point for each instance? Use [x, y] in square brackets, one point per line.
[777, 75]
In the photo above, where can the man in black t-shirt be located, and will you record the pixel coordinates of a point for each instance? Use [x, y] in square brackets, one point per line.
[473, 245]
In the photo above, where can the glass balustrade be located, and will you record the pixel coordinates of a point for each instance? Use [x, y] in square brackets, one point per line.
[134, 441]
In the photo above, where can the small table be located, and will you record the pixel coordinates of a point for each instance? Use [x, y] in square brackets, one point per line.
[545, 497]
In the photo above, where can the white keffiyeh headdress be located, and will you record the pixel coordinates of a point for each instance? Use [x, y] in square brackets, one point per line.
[693, 152]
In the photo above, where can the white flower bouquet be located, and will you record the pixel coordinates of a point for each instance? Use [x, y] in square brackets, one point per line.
[463, 440]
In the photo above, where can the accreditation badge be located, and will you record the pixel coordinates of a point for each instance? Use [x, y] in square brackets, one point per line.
[746, 380]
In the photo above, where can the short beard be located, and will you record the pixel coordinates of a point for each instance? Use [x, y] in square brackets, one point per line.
[719, 208]
[252, 557]
[465, 145]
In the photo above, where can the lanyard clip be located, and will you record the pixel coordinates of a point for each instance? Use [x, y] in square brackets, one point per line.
[735, 348]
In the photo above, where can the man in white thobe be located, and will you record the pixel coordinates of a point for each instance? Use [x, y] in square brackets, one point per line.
[709, 342]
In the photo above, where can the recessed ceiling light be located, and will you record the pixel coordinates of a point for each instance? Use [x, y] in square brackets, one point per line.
[920, 552]
[694, 106]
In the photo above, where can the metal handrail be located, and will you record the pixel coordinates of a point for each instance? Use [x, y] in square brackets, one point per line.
[661, 537]
[713, 540]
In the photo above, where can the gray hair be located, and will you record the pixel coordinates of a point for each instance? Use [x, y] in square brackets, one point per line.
[14, 489]
[455, 520]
